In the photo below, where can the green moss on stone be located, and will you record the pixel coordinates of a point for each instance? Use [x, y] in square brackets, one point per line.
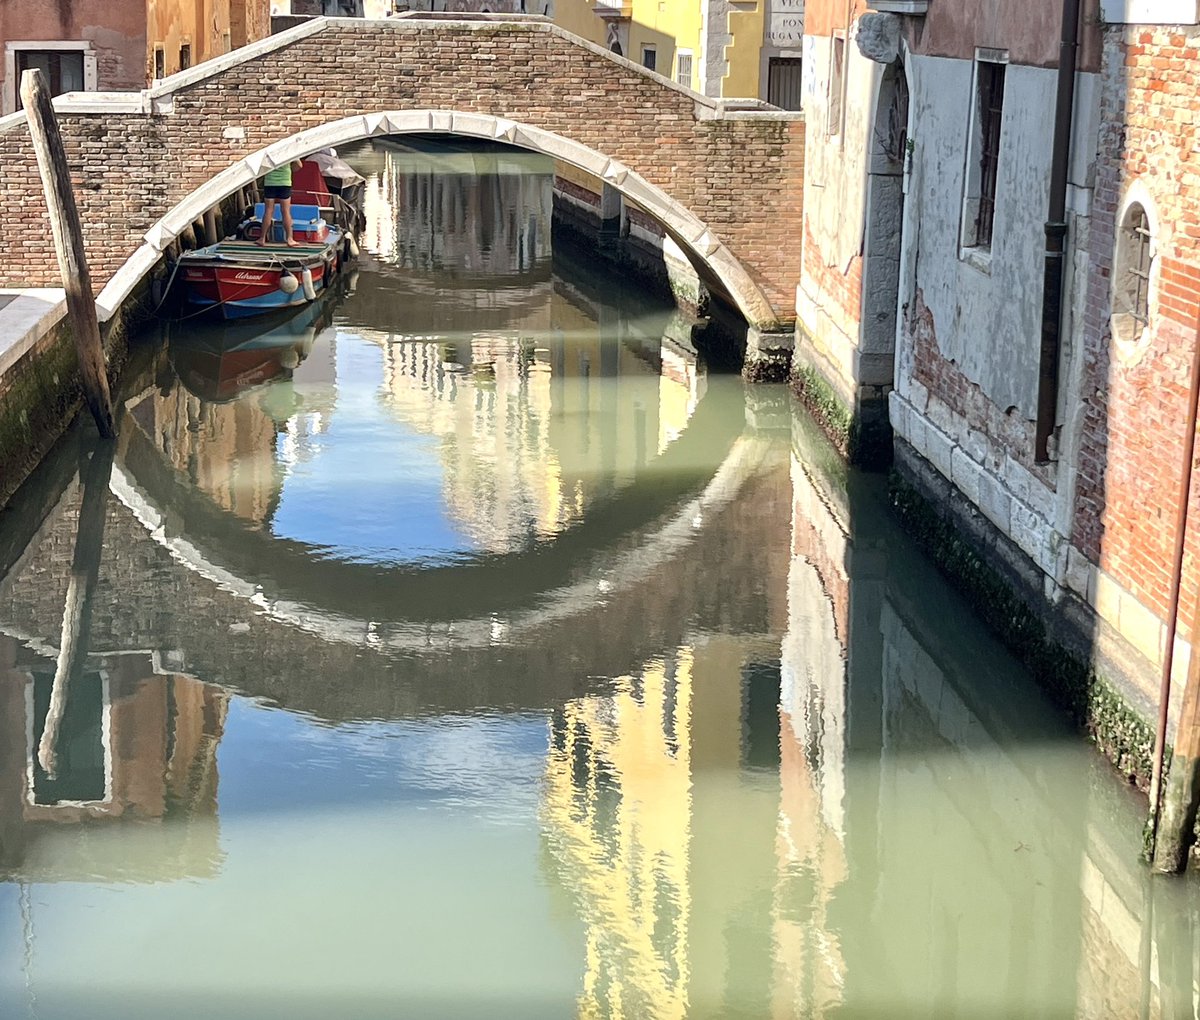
[1092, 702]
[42, 398]
[865, 443]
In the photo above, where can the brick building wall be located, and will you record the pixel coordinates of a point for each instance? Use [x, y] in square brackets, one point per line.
[740, 174]
[1134, 391]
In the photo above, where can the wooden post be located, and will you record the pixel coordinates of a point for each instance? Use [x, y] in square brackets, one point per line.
[68, 244]
[77, 611]
[211, 226]
[1177, 829]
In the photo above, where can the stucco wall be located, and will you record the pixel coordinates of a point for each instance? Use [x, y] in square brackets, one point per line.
[1029, 31]
[115, 28]
[210, 27]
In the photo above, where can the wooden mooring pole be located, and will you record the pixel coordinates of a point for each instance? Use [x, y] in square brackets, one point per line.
[1177, 827]
[68, 244]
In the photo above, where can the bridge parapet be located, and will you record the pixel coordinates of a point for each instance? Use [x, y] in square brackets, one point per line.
[725, 180]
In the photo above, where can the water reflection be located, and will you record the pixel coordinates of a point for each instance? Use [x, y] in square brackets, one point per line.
[135, 746]
[691, 732]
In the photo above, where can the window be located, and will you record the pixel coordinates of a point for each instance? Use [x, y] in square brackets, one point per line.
[160, 63]
[185, 56]
[983, 151]
[1132, 263]
[650, 58]
[784, 82]
[683, 68]
[63, 69]
[837, 74]
[68, 66]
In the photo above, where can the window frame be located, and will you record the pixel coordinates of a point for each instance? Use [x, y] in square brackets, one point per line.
[835, 113]
[8, 102]
[1131, 326]
[651, 49]
[984, 150]
[680, 55]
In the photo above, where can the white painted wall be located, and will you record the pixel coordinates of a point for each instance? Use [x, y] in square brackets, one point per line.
[1150, 12]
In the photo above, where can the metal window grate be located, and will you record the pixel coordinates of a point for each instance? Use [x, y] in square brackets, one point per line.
[785, 82]
[683, 68]
[991, 113]
[1139, 267]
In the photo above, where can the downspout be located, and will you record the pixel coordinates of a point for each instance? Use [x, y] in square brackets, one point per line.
[1056, 232]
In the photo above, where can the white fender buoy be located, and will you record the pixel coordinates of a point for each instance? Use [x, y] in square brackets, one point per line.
[310, 291]
[288, 283]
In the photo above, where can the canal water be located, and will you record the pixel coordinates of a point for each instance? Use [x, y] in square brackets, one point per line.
[463, 647]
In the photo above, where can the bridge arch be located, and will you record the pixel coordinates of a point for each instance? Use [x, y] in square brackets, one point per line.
[732, 170]
[692, 235]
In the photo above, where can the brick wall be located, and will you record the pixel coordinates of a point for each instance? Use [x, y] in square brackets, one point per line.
[1135, 393]
[741, 175]
[839, 286]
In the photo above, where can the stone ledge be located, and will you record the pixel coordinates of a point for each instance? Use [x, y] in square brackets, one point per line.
[28, 317]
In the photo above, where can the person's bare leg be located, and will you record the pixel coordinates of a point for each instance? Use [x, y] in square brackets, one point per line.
[286, 205]
[268, 212]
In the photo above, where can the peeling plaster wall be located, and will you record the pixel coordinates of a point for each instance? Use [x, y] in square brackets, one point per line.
[828, 299]
[968, 343]
[987, 314]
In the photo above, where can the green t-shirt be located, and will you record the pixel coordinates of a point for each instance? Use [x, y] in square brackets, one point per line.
[280, 177]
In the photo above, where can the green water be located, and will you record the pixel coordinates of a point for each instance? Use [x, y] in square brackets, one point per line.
[466, 648]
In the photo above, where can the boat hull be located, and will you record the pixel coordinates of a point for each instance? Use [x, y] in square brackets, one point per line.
[238, 279]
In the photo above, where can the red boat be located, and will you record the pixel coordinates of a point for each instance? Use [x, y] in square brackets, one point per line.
[239, 277]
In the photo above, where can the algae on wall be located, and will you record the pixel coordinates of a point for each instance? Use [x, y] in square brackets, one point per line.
[41, 399]
[1095, 704]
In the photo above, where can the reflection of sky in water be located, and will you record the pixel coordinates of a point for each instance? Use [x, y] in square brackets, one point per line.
[366, 866]
[368, 486]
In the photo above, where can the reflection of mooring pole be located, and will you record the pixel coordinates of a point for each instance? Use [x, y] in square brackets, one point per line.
[68, 244]
[77, 613]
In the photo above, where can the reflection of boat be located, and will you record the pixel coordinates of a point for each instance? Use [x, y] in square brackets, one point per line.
[220, 362]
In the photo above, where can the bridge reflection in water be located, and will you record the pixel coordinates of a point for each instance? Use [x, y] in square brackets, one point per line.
[668, 722]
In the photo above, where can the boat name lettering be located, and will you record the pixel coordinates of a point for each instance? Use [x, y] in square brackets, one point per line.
[249, 277]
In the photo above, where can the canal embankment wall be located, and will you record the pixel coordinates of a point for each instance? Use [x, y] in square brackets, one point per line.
[39, 380]
[40, 388]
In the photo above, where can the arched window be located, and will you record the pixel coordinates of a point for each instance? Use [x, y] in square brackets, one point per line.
[1132, 263]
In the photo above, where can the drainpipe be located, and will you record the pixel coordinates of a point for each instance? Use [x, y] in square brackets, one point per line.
[1172, 857]
[1056, 232]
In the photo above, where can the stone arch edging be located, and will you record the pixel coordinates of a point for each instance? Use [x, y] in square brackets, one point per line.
[698, 238]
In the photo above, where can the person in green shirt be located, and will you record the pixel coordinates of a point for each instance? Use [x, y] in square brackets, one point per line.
[277, 187]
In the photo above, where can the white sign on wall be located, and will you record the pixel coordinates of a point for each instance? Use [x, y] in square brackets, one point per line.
[785, 24]
[1150, 12]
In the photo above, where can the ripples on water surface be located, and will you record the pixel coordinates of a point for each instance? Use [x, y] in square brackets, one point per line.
[463, 648]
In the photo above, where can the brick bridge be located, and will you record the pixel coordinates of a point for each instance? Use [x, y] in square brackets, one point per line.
[725, 183]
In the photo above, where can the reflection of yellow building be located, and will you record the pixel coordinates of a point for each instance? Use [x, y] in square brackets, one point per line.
[538, 400]
[618, 809]
[661, 808]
